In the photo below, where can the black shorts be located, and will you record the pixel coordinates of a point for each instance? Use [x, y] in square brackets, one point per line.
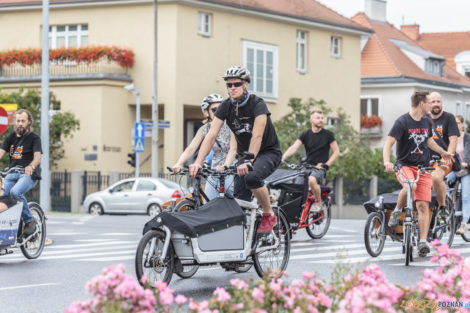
[265, 164]
[319, 174]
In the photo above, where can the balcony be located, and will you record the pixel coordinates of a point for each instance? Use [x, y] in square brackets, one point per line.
[88, 63]
[373, 132]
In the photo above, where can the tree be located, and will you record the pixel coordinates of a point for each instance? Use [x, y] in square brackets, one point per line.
[62, 124]
[356, 159]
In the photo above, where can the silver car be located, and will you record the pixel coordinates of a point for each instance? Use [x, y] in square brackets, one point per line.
[133, 195]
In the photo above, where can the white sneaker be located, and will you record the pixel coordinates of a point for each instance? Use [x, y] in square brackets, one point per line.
[394, 218]
[462, 229]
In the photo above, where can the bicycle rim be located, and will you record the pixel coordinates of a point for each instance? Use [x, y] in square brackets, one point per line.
[321, 221]
[373, 238]
[32, 249]
[147, 260]
[408, 245]
[274, 261]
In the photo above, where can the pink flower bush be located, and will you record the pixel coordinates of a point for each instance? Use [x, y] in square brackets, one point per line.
[367, 291]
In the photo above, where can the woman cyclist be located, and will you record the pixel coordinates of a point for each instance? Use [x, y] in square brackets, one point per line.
[224, 149]
[463, 149]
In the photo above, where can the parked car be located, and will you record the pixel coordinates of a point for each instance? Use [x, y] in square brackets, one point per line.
[133, 195]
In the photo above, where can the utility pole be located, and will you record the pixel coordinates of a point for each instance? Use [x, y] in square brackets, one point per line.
[154, 149]
[137, 119]
[45, 183]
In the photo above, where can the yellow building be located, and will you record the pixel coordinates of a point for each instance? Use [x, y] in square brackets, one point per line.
[295, 48]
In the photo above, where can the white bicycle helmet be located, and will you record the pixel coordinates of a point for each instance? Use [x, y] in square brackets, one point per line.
[237, 72]
[207, 101]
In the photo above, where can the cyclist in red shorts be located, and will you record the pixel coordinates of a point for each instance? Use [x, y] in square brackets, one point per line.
[413, 134]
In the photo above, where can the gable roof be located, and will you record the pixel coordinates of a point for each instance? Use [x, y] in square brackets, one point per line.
[382, 56]
[307, 10]
[446, 44]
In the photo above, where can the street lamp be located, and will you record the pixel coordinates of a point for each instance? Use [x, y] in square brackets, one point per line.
[136, 91]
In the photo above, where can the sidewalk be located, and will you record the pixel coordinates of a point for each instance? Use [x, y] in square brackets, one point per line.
[349, 211]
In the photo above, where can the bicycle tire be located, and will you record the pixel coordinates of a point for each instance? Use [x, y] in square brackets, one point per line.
[370, 231]
[318, 230]
[408, 245]
[466, 237]
[281, 230]
[32, 249]
[449, 225]
[188, 270]
[142, 262]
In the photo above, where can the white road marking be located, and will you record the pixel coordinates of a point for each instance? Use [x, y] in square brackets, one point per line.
[109, 259]
[119, 234]
[28, 286]
[116, 242]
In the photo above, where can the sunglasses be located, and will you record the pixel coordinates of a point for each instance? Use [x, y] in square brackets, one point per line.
[214, 110]
[237, 84]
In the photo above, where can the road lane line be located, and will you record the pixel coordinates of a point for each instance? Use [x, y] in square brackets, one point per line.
[116, 242]
[28, 286]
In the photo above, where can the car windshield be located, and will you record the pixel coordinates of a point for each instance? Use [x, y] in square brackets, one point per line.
[169, 184]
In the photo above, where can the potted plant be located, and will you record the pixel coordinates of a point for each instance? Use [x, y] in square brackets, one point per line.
[371, 124]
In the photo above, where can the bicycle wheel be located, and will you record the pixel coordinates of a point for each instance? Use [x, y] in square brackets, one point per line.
[274, 260]
[321, 220]
[408, 245]
[373, 238]
[444, 224]
[147, 259]
[32, 249]
[188, 270]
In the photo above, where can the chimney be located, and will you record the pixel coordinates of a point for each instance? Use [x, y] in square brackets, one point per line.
[411, 31]
[376, 10]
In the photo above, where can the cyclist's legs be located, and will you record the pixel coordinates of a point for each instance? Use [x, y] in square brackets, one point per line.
[465, 181]
[438, 184]
[22, 186]
[209, 189]
[314, 181]
[423, 198]
[407, 173]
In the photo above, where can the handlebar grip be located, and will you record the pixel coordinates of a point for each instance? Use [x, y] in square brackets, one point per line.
[169, 169]
[429, 168]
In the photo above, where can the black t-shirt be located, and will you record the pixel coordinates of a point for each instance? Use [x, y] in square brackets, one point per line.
[9, 202]
[317, 145]
[241, 124]
[25, 148]
[442, 128]
[412, 137]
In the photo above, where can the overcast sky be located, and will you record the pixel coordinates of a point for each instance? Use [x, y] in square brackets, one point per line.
[431, 15]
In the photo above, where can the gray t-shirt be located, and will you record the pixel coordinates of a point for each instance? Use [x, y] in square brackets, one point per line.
[221, 145]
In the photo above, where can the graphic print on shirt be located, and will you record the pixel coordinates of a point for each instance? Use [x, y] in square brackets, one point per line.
[240, 126]
[17, 154]
[418, 135]
[439, 128]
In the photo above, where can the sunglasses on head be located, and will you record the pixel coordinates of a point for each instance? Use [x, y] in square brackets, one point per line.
[214, 110]
[237, 84]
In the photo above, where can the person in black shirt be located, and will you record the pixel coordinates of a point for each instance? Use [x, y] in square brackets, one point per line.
[24, 149]
[249, 119]
[317, 142]
[413, 134]
[445, 132]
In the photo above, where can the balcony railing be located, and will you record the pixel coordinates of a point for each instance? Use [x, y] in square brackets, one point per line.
[61, 70]
[373, 132]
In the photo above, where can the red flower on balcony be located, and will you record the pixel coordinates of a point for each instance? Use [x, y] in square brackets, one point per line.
[124, 57]
[370, 121]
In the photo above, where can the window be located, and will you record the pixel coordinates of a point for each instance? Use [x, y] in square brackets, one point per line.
[262, 62]
[466, 71]
[68, 36]
[370, 106]
[467, 112]
[146, 185]
[434, 67]
[123, 187]
[458, 107]
[301, 51]
[335, 47]
[331, 121]
[204, 24]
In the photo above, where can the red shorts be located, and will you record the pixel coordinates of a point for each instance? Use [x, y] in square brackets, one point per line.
[423, 187]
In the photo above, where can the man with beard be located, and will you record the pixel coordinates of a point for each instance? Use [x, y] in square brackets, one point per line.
[445, 132]
[24, 150]
[317, 142]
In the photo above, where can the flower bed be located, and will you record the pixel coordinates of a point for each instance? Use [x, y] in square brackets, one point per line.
[367, 291]
[370, 121]
[124, 57]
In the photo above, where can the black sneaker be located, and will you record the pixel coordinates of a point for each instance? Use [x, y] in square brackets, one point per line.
[423, 249]
[394, 218]
[29, 228]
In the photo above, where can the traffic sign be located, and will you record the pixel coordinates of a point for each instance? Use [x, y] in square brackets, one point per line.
[163, 124]
[139, 129]
[3, 120]
[139, 144]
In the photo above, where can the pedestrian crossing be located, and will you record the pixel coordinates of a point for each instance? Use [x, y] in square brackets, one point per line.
[335, 247]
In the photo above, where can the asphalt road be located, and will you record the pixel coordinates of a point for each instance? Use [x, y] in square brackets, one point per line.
[83, 245]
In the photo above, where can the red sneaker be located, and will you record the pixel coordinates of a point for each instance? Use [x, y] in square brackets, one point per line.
[267, 223]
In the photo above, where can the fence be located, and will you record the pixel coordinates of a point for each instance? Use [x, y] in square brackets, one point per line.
[60, 192]
[93, 182]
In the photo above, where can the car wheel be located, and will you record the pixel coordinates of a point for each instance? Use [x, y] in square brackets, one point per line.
[95, 209]
[154, 209]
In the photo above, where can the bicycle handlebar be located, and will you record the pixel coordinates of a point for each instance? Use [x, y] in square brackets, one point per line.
[297, 167]
[421, 169]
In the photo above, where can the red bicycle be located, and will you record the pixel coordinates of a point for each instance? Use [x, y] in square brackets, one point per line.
[298, 202]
